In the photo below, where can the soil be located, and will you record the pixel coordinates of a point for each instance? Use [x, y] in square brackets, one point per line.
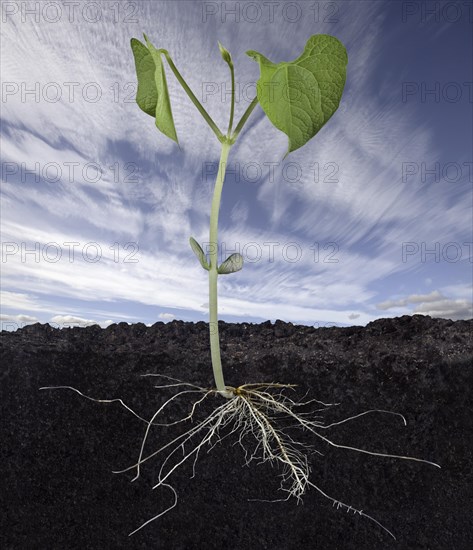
[58, 449]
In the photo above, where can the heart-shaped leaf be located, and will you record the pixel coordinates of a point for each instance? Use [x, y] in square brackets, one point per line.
[300, 96]
[232, 264]
[152, 95]
[199, 253]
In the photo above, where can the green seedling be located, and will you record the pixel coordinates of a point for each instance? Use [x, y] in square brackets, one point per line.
[299, 98]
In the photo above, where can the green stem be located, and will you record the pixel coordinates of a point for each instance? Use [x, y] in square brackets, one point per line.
[192, 97]
[213, 274]
[213, 243]
[232, 108]
[244, 118]
[227, 142]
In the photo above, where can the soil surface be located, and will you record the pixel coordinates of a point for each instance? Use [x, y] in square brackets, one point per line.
[58, 449]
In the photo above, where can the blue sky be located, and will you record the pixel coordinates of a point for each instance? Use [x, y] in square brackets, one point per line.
[372, 218]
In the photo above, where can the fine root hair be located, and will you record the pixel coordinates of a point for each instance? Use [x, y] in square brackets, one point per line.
[261, 417]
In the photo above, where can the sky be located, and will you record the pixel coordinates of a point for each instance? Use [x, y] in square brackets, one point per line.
[372, 218]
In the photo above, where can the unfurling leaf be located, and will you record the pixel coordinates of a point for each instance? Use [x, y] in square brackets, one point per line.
[146, 95]
[199, 253]
[226, 56]
[232, 264]
[300, 96]
[152, 95]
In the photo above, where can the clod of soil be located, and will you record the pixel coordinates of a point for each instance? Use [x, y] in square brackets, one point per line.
[58, 449]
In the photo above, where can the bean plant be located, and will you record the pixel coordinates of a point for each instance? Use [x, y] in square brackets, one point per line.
[298, 97]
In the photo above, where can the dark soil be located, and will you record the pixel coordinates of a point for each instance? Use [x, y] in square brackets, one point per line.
[58, 449]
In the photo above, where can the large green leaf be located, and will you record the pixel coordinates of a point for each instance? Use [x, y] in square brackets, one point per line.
[300, 96]
[152, 95]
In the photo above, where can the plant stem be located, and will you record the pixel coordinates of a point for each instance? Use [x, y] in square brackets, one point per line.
[244, 118]
[227, 142]
[213, 243]
[192, 97]
[232, 108]
[213, 274]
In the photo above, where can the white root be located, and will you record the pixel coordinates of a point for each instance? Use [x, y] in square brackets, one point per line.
[255, 411]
